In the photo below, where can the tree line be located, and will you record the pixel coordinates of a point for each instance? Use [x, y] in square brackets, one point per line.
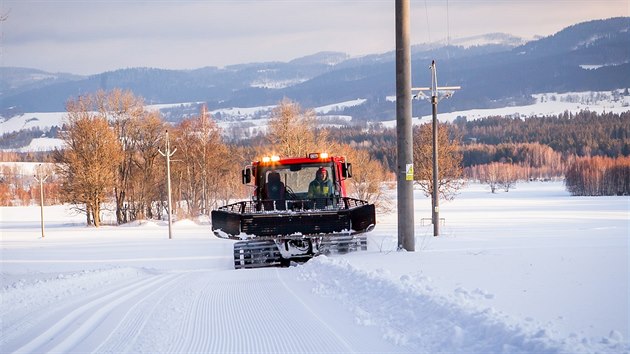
[597, 176]
[113, 156]
[585, 133]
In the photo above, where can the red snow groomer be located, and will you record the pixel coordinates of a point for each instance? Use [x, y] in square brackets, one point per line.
[299, 209]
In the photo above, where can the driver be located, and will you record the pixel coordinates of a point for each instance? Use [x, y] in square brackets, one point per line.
[321, 186]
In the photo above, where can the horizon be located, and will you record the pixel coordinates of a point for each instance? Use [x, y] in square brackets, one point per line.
[92, 36]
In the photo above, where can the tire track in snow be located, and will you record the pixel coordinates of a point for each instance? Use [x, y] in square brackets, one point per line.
[77, 324]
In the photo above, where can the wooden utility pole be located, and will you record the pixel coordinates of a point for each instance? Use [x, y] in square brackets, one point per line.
[41, 179]
[404, 131]
[435, 195]
[168, 155]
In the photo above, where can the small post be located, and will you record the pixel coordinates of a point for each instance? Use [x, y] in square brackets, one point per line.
[168, 155]
[435, 195]
[41, 179]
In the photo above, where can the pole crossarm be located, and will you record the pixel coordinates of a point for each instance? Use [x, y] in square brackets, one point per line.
[435, 89]
[441, 88]
[446, 89]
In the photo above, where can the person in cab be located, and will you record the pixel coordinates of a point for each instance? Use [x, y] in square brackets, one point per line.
[321, 186]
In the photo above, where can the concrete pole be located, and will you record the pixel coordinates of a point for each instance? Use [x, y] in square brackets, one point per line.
[406, 237]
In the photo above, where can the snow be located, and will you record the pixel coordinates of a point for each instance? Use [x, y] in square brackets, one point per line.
[276, 84]
[41, 144]
[243, 111]
[339, 106]
[43, 120]
[23, 168]
[547, 104]
[530, 270]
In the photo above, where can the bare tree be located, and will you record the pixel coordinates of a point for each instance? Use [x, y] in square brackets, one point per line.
[146, 179]
[450, 170]
[368, 175]
[123, 110]
[89, 162]
[292, 131]
[508, 176]
[201, 169]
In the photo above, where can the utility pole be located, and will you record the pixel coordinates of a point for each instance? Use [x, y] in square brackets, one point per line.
[435, 195]
[404, 133]
[41, 179]
[168, 155]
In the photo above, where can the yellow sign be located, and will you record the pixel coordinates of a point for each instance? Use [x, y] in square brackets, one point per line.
[409, 172]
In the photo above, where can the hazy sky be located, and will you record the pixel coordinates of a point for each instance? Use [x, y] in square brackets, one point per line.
[92, 36]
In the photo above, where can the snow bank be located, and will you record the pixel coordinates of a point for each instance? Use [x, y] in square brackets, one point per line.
[409, 313]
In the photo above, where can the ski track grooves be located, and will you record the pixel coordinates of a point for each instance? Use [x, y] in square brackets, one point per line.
[229, 312]
[201, 311]
[76, 325]
[125, 335]
[333, 333]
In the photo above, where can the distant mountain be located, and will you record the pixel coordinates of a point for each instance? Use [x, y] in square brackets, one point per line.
[493, 70]
[16, 80]
[326, 58]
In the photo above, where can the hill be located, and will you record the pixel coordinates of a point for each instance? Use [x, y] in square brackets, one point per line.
[499, 71]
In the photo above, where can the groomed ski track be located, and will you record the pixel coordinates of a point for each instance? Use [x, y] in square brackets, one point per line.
[323, 306]
[194, 311]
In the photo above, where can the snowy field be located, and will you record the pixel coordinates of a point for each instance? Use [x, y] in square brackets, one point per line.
[533, 270]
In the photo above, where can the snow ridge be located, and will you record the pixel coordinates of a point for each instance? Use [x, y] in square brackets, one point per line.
[409, 314]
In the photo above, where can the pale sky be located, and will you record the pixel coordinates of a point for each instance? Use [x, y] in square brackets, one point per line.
[91, 36]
